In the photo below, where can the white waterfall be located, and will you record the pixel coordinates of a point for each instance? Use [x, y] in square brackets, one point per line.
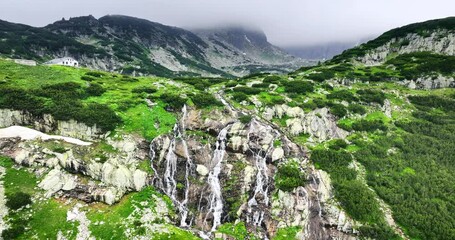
[168, 182]
[152, 155]
[260, 197]
[216, 201]
[188, 169]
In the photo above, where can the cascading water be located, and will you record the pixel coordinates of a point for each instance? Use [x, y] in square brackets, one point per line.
[216, 200]
[260, 198]
[168, 183]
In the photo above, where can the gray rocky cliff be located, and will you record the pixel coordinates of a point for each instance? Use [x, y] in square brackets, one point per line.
[441, 42]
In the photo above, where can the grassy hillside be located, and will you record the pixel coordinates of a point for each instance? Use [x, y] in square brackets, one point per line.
[110, 101]
[405, 159]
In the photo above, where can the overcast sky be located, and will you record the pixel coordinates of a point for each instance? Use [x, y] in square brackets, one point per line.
[286, 22]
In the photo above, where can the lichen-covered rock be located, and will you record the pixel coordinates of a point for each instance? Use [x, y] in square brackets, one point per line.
[333, 213]
[13, 117]
[277, 154]
[291, 209]
[108, 195]
[430, 82]
[139, 179]
[57, 180]
[215, 120]
[387, 108]
[202, 170]
[319, 124]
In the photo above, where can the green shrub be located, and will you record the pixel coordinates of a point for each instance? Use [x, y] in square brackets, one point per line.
[357, 109]
[63, 102]
[426, 102]
[338, 110]
[247, 90]
[260, 85]
[59, 149]
[126, 78]
[239, 96]
[327, 87]
[271, 99]
[300, 87]
[19, 99]
[369, 125]
[237, 231]
[144, 89]
[378, 231]
[231, 84]
[338, 144]
[174, 101]
[343, 95]
[202, 100]
[245, 119]
[18, 200]
[272, 79]
[287, 233]
[95, 89]
[358, 201]
[309, 105]
[95, 74]
[15, 230]
[355, 197]
[322, 76]
[289, 176]
[100, 115]
[344, 126]
[371, 96]
[87, 78]
[330, 160]
[59, 91]
[320, 103]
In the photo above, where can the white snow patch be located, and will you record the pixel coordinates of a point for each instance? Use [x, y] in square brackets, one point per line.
[247, 39]
[31, 134]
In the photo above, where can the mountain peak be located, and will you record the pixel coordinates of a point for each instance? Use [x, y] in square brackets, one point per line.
[239, 36]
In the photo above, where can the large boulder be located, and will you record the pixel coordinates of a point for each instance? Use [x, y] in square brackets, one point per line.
[57, 180]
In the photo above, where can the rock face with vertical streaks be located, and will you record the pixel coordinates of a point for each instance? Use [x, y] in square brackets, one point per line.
[232, 178]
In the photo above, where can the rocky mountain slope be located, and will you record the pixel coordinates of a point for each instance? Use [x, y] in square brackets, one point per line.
[419, 55]
[436, 36]
[137, 46]
[250, 47]
[336, 151]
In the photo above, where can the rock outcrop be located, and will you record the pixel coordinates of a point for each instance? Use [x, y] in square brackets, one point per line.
[429, 83]
[118, 173]
[57, 180]
[319, 124]
[441, 42]
[46, 123]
